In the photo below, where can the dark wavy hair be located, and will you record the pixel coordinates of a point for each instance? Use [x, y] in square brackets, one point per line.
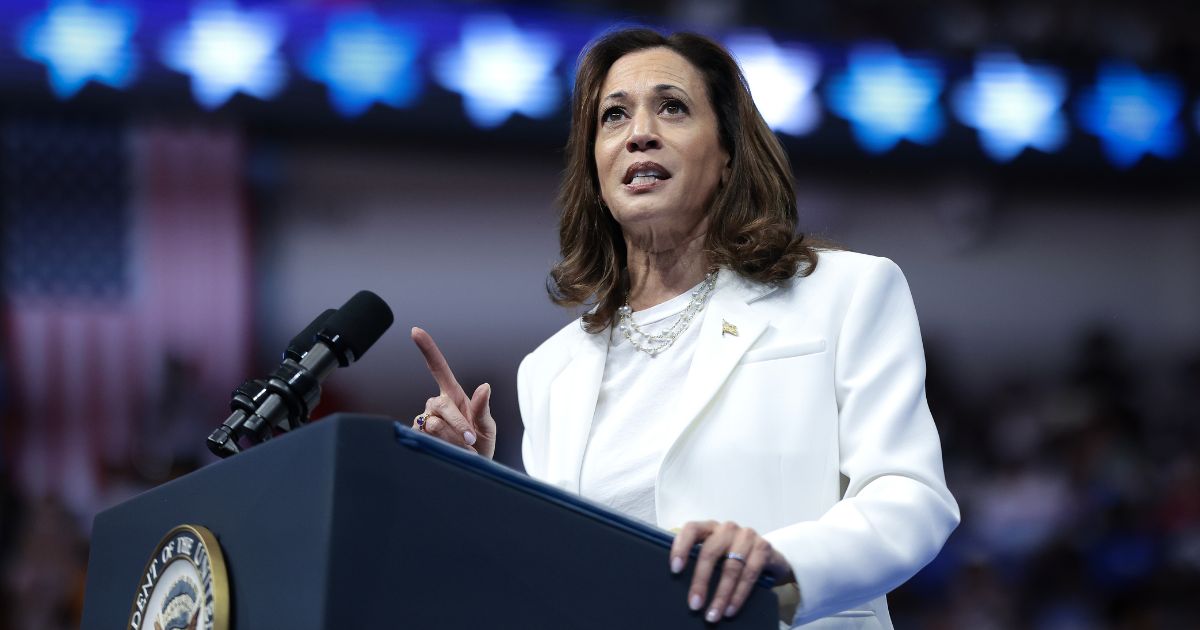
[752, 221]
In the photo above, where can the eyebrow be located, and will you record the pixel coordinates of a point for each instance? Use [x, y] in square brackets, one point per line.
[661, 87]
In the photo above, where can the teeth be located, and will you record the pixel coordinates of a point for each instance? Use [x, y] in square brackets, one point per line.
[644, 179]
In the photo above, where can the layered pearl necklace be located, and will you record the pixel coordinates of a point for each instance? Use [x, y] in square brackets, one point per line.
[652, 344]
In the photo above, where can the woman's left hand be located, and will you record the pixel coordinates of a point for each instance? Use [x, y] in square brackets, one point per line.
[746, 555]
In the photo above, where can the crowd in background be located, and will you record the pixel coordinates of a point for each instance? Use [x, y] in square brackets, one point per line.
[1080, 499]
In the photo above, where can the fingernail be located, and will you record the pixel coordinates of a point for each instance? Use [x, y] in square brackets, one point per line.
[695, 602]
[676, 564]
[713, 615]
[730, 610]
[470, 438]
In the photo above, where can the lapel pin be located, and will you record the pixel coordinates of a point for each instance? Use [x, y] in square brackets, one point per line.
[728, 329]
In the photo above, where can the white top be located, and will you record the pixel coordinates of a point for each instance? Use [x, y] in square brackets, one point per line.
[634, 422]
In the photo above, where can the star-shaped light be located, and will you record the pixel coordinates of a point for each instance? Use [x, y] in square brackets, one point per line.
[888, 97]
[1133, 114]
[79, 42]
[781, 80]
[364, 61]
[1013, 106]
[227, 50]
[500, 70]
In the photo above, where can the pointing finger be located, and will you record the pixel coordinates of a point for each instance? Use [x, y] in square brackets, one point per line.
[436, 362]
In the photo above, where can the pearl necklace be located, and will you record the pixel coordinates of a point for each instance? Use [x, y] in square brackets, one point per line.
[656, 343]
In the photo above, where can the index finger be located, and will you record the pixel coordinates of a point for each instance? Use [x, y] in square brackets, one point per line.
[437, 365]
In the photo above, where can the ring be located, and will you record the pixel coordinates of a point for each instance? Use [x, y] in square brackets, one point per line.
[733, 555]
[420, 420]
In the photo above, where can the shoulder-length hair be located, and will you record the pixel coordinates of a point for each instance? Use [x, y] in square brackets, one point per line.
[752, 221]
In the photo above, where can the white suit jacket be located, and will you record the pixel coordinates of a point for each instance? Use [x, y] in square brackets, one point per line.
[809, 425]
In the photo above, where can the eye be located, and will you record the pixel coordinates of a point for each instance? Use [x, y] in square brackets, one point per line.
[674, 107]
[612, 114]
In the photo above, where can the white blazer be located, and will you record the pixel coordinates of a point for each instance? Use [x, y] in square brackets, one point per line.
[810, 425]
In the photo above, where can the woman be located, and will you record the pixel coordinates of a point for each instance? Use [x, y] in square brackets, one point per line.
[731, 382]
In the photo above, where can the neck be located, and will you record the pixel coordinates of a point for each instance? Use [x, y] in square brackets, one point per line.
[659, 272]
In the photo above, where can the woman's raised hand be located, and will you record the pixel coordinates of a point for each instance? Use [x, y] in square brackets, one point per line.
[451, 415]
[740, 553]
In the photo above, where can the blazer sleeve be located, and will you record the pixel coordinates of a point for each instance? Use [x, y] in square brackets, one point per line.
[896, 512]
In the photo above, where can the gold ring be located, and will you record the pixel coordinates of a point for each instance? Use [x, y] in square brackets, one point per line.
[420, 420]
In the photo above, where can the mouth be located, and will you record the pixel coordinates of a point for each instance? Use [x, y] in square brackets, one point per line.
[642, 173]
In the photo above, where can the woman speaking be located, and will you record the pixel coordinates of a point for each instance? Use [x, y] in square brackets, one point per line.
[731, 381]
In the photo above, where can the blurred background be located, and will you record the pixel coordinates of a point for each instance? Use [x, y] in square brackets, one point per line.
[185, 185]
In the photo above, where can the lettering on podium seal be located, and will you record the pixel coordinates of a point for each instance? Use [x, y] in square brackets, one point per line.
[184, 585]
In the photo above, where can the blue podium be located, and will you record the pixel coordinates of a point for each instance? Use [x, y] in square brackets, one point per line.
[360, 522]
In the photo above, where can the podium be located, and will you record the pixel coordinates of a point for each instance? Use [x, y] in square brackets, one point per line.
[360, 522]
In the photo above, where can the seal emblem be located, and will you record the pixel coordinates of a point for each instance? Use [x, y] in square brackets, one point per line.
[184, 585]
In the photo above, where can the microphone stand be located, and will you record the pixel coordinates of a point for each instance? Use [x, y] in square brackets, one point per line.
[252, 403]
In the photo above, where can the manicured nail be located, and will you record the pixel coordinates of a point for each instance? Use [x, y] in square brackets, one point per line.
[676, 564]
[730, 610]
[713, 615]
[695, 602]
[470, 438]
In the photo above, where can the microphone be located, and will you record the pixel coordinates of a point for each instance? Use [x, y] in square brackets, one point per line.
[284, 401]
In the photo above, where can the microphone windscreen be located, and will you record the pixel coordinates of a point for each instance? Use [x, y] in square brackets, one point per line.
[360, 322]
[303, 342]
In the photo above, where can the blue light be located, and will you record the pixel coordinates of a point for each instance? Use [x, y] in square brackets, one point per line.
[363, 61]
[781, 80]
[1133, 114]
[1013, 106]
[888, 97]
[226, 50]
[500, 70]
[80, 42]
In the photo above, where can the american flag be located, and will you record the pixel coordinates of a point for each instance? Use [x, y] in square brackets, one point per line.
[126, 261]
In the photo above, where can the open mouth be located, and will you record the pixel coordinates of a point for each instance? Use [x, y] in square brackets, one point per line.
[642, 173]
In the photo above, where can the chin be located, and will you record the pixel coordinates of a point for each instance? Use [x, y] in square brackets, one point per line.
[640, 214]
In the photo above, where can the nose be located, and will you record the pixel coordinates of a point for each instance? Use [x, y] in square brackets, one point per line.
[643, 133]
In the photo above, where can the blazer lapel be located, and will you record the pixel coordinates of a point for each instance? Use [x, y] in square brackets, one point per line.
[573, 395]
[728, 329]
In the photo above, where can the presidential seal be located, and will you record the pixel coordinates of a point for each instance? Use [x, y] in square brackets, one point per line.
[184, 585]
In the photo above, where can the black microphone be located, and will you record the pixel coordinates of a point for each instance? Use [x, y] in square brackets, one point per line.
[284, 401]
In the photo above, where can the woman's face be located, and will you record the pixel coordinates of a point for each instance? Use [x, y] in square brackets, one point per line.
[658, 153]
